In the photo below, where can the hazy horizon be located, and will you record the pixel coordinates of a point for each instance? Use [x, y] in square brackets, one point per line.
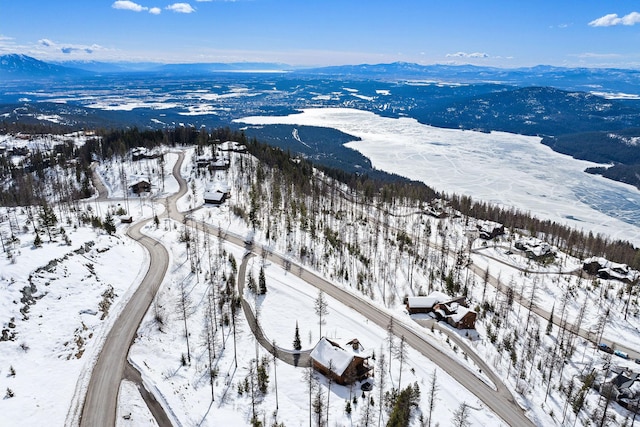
[501, 34]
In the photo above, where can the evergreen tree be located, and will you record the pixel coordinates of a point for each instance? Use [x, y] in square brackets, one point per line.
[109, 224]
[402, 404]
[251, 283]
[263, 375]
[297, 345]
[48, 219]
[262, 282]
[550, 324]
[37, 242]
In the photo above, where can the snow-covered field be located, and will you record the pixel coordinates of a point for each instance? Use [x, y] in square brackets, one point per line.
[60, 335]
[502, 168]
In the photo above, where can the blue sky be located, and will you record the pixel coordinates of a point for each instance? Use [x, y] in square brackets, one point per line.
[500, 33]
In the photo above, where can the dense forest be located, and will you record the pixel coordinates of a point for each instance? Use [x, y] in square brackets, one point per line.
[46, 176]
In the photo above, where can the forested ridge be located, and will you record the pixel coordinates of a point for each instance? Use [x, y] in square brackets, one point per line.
[41, 180]
[620, 148]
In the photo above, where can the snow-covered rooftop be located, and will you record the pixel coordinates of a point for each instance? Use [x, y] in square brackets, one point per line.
[329, 353]
[428, 301]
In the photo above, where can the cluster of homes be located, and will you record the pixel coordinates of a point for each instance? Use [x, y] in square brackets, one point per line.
[452, 310]
[348, 362]
[532, 247]
[215, 195]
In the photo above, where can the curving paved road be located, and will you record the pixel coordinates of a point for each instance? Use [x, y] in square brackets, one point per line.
[500, 401]
[100, 403]
[291, 357]
[102, 395]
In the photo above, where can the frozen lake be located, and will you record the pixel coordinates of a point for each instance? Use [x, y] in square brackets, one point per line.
[498, 167]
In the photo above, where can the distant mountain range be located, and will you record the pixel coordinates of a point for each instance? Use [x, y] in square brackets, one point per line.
[611, 81]
[22, 67]
[591, 114]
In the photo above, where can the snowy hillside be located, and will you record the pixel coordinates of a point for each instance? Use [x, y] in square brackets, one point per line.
[376, 250]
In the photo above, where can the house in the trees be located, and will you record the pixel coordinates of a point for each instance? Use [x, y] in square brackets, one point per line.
[218, 194]
[606, 269]
[437, 208]
[19, 151]
[457, 315]
[489, 229]
[623, 387]
[343, 364]
[452, 310]
[221, 164]
[233, 146]
[138, 153]
[140, 187]
[216, 197]
[535, 249]
[204, 161]
[425, 304]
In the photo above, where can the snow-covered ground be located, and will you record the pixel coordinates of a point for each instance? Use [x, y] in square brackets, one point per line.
[72, 291]
[497, 167]
[287, 301]
[60, 335]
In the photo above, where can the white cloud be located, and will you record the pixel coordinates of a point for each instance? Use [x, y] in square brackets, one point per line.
[155, 11]
[598, 55]
[181, 8]
[128, 5]
[467, 55]
[613, 19]
[67, 49]
[7, 44]
[46, 42]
